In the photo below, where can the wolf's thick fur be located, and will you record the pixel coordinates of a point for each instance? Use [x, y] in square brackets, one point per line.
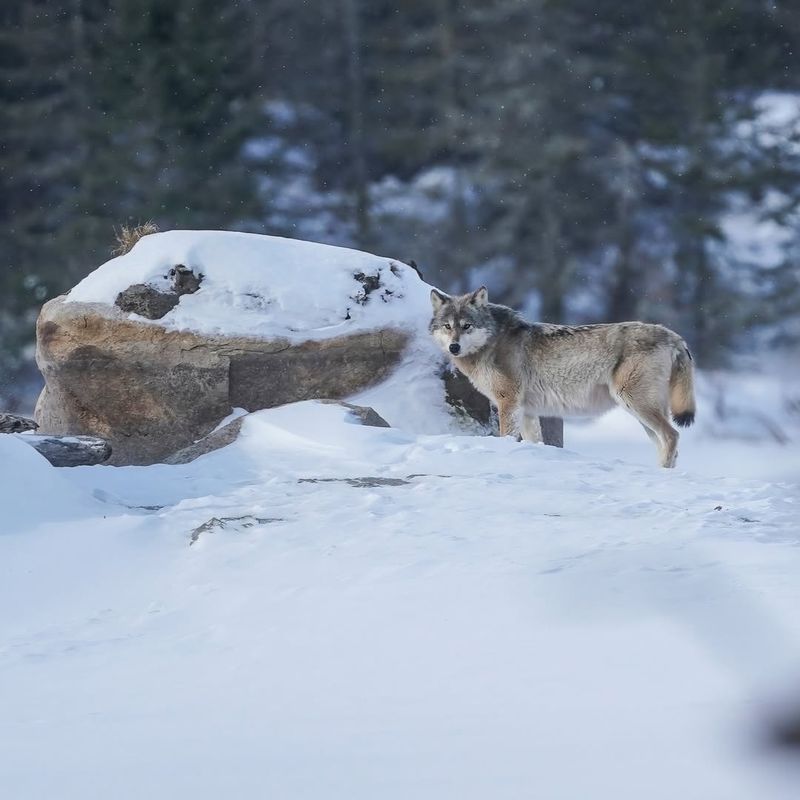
[536, 369]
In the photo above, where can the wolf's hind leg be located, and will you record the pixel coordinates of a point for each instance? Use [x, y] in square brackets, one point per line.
[640, 388]
[668, 436]
[651, 435]
[664, 436]
[640, 393]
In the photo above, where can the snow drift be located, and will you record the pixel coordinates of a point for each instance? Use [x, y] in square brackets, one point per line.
[328, 610]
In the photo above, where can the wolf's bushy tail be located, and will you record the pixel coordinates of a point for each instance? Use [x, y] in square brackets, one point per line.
[681, 387]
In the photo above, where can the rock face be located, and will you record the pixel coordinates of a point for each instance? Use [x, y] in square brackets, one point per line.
[151, 392]
[70, 451]
[363, 415]
[215, 440]
[13, 423]
[152, 303]
[464, 398]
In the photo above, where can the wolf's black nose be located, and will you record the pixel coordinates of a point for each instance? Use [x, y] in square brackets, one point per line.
[455, 348]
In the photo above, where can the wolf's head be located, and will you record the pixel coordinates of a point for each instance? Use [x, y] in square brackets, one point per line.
[461, 325]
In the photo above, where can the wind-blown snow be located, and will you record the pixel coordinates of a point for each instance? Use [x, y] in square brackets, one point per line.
[32, 492]
[369, 612]
[266, 286]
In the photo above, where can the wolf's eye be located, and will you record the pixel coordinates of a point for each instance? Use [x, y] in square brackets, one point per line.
[466, 326]
[448, 326]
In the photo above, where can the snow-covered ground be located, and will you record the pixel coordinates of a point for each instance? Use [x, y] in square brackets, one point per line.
[323, 610]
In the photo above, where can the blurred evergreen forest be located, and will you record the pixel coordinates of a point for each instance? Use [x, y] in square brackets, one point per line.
[588, 161]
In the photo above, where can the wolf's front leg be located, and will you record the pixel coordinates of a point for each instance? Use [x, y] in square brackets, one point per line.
[507, 416]
[531, 428]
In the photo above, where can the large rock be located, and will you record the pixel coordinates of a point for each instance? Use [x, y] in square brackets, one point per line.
[153, 349]
[151, 391]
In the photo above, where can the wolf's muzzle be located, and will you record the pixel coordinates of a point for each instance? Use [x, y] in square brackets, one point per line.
[455, 348]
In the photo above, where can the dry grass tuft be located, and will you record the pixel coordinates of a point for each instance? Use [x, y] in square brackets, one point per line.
[128, 236]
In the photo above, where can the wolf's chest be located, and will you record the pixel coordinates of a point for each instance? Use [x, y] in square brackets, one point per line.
[483, 377]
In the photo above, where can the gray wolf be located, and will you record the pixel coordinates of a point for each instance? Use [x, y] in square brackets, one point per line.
[530, 369]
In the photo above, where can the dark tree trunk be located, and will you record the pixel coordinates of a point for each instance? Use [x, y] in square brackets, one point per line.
[355, 78]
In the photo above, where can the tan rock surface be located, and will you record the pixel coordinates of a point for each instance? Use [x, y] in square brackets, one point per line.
[151, 392]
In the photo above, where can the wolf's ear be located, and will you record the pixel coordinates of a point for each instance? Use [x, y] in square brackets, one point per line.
[438, 299]
[480, 297]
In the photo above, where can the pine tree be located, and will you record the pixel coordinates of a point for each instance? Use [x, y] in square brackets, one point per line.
[39, 157]
[175, 100]
[536, 153]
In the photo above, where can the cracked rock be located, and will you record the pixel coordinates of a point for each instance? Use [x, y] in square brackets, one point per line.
[153, 303]
[151, 392]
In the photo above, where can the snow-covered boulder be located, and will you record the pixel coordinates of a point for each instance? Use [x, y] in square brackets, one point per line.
[273, 321]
